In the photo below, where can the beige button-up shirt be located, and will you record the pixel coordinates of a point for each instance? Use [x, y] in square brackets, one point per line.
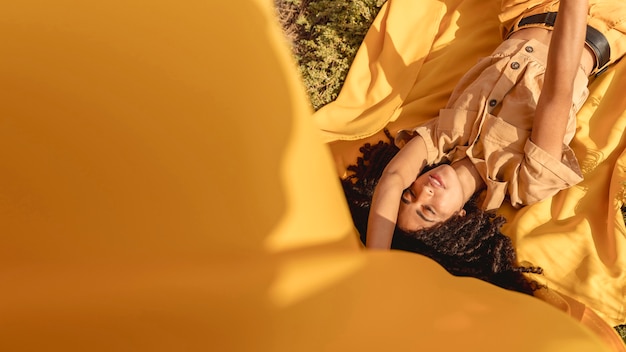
[489, 119]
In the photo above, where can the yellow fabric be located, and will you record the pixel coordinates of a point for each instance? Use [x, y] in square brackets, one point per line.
[578, 236]
[163, 188]
[585, 315]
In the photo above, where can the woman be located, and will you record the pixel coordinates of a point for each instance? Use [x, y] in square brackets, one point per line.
[504, 133]
[505, 130]
[465, 239]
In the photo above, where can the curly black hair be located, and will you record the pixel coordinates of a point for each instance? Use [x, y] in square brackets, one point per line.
[469, 245]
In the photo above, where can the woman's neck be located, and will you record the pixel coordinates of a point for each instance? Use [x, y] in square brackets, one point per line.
[471, 181]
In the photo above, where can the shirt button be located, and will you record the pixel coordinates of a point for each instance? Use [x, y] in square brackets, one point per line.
[529, 49]
[493, 102]
[515, 65]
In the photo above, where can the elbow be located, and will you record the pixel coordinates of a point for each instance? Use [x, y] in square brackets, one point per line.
[394, 180]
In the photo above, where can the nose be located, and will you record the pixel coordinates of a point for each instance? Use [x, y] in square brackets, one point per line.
[429, 190]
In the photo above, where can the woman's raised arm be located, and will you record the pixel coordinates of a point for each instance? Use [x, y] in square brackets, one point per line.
[398, 175]
[564, 56]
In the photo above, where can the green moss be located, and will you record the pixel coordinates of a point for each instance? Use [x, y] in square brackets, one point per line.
[325, 35]
[621, 330]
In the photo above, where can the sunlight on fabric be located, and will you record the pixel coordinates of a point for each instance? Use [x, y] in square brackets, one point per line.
[316, 210]
[302, 278]
[288, 236]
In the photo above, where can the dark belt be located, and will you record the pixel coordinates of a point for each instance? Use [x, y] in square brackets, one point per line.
[594, 38]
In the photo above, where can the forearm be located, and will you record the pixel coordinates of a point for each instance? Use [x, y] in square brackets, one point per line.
[563, 63]
[399, 174]
[566, 45]
[384, 212]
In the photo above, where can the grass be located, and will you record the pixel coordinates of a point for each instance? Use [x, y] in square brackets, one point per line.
[324, 36]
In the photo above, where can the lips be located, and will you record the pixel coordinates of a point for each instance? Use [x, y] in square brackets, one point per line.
[436, 181]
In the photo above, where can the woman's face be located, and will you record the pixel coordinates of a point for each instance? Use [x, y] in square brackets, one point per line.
[432, 198]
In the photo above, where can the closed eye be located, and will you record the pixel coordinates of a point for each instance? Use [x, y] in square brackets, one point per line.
[430, 210]
[421, 215]
[405, 198]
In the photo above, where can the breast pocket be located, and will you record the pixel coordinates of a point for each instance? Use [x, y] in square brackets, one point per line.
[500, 146]
[456, 128]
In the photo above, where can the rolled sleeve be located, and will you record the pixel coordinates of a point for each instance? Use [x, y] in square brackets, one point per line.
[542, 176]
[427, 132]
